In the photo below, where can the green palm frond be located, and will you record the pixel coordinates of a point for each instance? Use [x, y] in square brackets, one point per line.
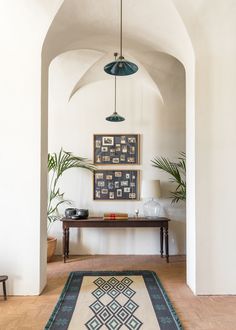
[177, 171]
[57, 165]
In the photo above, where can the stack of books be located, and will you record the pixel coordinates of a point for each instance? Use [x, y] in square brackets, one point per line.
[115, 216]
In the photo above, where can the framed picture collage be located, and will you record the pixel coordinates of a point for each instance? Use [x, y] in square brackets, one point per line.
[118, 184]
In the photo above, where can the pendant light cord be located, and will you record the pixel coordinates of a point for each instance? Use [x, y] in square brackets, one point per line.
[121, 55]
[115, 94]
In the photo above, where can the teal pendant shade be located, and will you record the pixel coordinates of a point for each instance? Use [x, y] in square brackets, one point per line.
[115, 117]
[120, 67]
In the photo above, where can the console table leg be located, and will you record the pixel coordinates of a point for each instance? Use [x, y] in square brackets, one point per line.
[161, 241]
[4, 290]
[64, 244]
[167, 244]
[67, 242]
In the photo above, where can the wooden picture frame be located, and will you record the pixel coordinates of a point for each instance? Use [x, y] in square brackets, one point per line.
[116, 149]
[116, 185]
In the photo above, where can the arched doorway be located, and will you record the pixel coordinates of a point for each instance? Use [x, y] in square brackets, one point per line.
[64, 36]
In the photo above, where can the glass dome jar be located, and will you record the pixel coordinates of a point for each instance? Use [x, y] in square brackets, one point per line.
[151, 209]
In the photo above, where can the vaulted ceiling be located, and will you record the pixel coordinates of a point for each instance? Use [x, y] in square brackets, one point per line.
[148, 26]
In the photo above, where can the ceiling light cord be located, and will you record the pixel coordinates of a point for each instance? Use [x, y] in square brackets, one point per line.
[121, 67]
[115, 95]
[115, 117]
[121, 29]
[115, 54]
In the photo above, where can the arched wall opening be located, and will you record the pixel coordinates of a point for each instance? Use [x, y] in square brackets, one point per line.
[52, 57]
[210, 87]
[154, 107]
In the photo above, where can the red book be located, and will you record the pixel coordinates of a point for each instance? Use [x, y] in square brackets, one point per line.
[115, 216]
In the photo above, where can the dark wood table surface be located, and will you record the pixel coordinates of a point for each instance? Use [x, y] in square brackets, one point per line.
[99, 222]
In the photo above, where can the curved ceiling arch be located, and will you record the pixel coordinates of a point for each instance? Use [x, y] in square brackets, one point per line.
[82, 24]
[94, 74]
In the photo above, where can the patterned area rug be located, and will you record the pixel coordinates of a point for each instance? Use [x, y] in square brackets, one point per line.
[113, 300]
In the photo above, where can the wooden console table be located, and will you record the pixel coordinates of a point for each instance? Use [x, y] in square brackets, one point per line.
[97, 222]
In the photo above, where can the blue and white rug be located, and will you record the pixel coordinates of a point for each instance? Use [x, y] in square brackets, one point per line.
[113, 300]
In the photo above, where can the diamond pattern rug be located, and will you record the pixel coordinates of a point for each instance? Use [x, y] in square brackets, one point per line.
[130, 300]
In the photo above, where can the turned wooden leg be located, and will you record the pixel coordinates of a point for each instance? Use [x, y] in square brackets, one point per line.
[167, 244]
[64, 244]
[67, 242]
[161, 241]
[4, 290]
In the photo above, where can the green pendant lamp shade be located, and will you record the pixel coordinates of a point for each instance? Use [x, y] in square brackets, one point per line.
[121, 67]
[115, 117]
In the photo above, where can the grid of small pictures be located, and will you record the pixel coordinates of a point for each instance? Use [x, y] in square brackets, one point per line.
[116, 185]
[116, 149]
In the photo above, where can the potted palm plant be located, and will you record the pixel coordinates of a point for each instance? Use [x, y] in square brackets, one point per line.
[57, 165]
[177, 171]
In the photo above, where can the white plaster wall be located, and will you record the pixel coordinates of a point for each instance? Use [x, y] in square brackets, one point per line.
[162, 128]
[215, 196]
[215, 147]
[190, 179]
[211, 26]
[24, 25]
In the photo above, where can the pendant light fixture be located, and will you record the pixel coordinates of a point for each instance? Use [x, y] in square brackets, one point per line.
[121, 67]
[115, 117]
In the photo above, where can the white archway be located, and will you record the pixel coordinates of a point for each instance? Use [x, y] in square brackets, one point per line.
[210, 83]
[75, 27]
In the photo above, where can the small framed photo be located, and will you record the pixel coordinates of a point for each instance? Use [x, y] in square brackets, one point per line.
[116, 185]
[101, 183]
[124, 183]
[108, 140]
[131, 139]
[116, 149]
[99, 175]
[123, 139]
[116, 160]
[104, 149]
[104, 191]
[118, 174]
[106, 159]
[98, 159]
[132, 150]
[98, 144]
[130, 160]
[119, 192]
[98, 194]
[132, 196]
[111, 195]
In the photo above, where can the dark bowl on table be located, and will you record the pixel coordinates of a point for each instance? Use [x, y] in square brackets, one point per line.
[70, 212]
[82, 213]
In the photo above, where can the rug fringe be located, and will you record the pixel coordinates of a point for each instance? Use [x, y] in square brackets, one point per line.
[172, 310]
[56, 308]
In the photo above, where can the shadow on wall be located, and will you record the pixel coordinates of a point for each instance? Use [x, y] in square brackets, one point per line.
[177, 227]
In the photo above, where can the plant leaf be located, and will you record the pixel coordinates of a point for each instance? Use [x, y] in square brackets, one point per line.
[57, 165]
[177, 171]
